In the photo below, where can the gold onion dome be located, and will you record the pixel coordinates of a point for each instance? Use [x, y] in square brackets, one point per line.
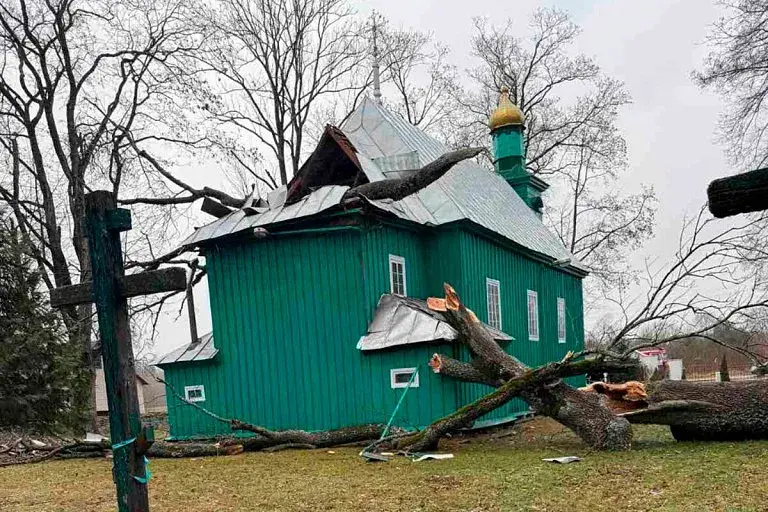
[507, 113]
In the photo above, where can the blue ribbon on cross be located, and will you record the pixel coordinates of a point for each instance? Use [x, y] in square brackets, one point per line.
[148, 474]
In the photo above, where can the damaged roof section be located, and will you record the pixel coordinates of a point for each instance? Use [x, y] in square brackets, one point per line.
[318, 201]
[203, 350]
[402, 321]
[375, 144]
[469, 191]
[333, 162]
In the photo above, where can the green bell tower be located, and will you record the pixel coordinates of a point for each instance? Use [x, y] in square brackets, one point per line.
[507, 125]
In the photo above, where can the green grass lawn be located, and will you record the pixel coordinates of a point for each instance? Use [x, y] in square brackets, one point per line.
[487, 475]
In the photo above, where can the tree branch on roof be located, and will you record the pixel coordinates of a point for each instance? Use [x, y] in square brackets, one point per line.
[398, 188]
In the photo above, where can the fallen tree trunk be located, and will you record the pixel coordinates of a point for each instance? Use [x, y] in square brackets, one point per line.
[530, 381]
[320, 439]
[182, 450]
[264, 440]
[581, 412]
[714, 411]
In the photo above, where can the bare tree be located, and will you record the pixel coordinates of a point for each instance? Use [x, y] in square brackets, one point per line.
[737, 68]
[711, 283]
[82, 81]
[595, 219]
[425, 85]
[572, 140]
[271, 63]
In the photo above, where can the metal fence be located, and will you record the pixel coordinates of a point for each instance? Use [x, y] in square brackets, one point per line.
[712, 373]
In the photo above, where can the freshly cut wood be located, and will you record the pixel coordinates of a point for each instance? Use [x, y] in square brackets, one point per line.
[620, 398]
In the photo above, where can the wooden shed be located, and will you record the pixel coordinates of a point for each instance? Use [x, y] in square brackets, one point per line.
[317, 303]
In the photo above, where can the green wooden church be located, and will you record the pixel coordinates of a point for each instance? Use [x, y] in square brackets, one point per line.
[318, 303]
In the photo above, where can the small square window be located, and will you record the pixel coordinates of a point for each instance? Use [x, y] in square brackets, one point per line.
[194, 393]
[561, 320]
[493, 300]
[400, 377]
[533, 316]
[397, 275]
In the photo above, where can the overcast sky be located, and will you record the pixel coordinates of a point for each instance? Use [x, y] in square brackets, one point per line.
[652, 45]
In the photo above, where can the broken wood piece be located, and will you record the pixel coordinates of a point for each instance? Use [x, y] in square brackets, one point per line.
[620, 398]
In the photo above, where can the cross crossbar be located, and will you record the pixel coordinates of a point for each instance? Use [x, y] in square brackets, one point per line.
[172, 279]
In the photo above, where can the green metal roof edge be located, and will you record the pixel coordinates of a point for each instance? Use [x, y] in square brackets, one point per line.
[208, 360]
[297, 227]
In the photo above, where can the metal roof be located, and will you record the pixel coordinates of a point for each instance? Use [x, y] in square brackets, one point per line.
[203, 350]
[468, 191]
[237, 221]
[386, 145]
[405, 321]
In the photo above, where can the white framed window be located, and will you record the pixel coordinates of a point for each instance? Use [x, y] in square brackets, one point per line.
[533, 315]
[400, 377]
[397, 275]
[560, 320]
[194, 393]
[493, 299]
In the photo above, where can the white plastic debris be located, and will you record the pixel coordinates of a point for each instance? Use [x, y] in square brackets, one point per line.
[564, 460]
[37, 444]
[433, 456]
[90, 437]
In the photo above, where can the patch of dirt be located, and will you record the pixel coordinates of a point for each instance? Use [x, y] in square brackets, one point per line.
[443, 482]
[523, 431]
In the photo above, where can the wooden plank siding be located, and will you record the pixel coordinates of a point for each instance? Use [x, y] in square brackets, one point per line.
[288, 311]
[287, 314]
[481, 259]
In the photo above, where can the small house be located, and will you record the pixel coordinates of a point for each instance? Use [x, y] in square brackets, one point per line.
[318, 304]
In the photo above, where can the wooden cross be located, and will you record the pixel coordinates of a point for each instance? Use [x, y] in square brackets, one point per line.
[110, 290]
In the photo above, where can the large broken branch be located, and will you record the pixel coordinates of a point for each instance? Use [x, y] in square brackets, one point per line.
[581, 412]
[530, 380]
[398, 188]
[265, 438]
[318, 439]
[193, 194]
